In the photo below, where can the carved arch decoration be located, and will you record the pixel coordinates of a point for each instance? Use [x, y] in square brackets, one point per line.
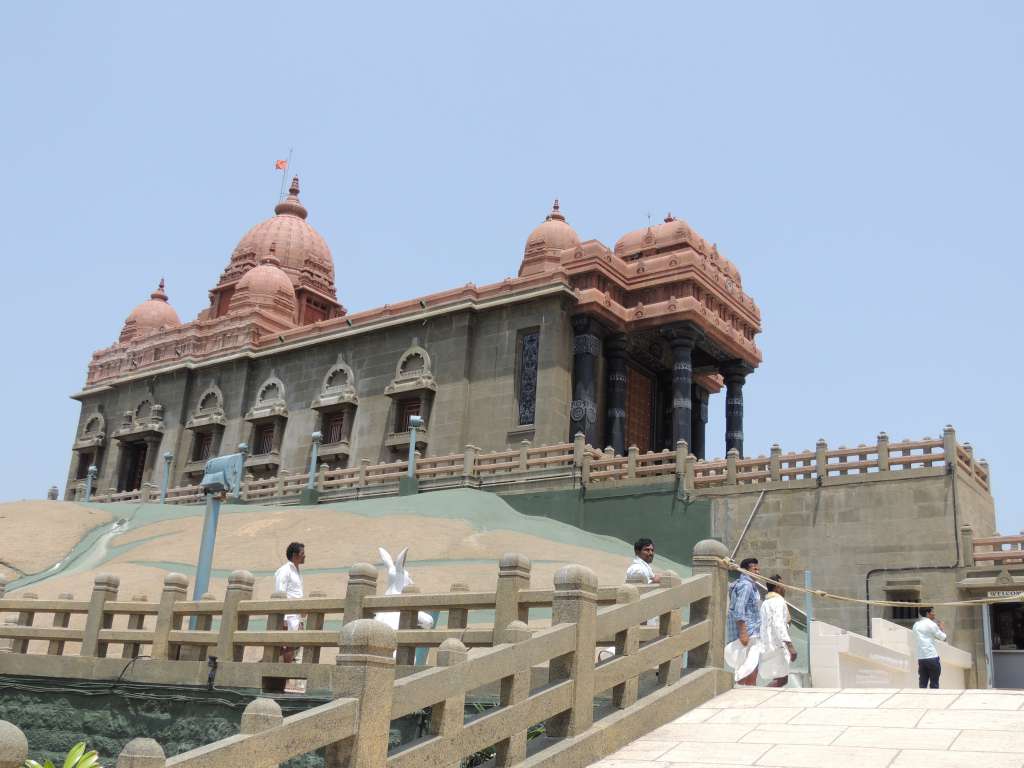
[209, 409]
[338, 387]
[270, 399]
[95, 425]
[413, 372]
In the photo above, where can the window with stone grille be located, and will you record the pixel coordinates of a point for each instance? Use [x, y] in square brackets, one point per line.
[263, 439]
[904, 615]
[527, 359]
[405, 410]
[202, 446]
[334, 427]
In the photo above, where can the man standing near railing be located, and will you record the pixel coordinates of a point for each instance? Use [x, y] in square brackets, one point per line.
[744, 620]
[287, 579]
[640, 568]
[926, 632]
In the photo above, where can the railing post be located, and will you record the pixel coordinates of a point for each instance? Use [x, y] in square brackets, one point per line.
[949, 447]
[407, 619]
[731, 457]
[524, 455]
[135, 621]
[682, 454]
[458, 618]
[821, 460]
[469, 461]
[104, 588]
[61, 620]
[967, 547]
[775, 463]
[446, 717]
[363, 464]
[260, 715]
[366, 671]
[689, 473]
[585, 470]
[13, 746]
[883, 452]
[314, 621]
[362, 583]
[575, 602]
[282, 475]
[25, 619]
[275, 623]
[240, 584]
[670, 624]
[513, 576]
[141, 753]
[627, 642]
[175, 586]
[513, 689]
[631, 456]
[321, 477]
[578, 448]
[706, 560]
[244, 490]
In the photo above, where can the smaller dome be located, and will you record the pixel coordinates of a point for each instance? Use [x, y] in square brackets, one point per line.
[553, 234]
[265, 285]
[151, 315]
[672, 231]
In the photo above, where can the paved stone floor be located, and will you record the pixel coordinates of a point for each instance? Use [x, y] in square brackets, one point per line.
[860, 728]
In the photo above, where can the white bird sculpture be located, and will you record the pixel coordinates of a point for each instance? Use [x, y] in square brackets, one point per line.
[399, 579]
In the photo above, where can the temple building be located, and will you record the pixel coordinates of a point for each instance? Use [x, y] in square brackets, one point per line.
[627, 345]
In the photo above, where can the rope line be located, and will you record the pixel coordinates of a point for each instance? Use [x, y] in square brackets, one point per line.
[729, 564]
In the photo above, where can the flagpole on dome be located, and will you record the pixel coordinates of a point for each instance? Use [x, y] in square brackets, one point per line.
[283, 166]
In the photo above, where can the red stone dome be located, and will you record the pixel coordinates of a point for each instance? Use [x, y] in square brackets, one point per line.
[302, 252]
[554, 233]
[151, 315]
[266, 286]
[672, 234]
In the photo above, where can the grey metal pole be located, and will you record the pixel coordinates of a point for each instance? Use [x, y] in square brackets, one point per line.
[206, 545]
[986, 635]
[809, 610]
[243, 448]
[412, 447]
[311, 482]
[90, 475]
[168, 458]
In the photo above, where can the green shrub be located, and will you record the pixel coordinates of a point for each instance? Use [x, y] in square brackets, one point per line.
[77, 758]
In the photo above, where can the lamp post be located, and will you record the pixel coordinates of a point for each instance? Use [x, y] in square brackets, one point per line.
[243, 448]
[90, 475]
[311, 482]
[414, 421]
[168, 458]
[222, 478]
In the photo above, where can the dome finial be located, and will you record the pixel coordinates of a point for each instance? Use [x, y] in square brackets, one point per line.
[271, 257]
[159, 293]
[291, 205]
[556, 213]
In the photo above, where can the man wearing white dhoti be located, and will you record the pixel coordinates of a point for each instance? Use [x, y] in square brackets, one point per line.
[777, 649]
[287, 579]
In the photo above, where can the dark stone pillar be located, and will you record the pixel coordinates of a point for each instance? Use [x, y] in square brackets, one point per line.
[682, 338]
[699, 421]
[734, 374]
[586, 346]
[615, 394]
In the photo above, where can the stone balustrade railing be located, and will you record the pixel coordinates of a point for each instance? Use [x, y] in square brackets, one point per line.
[165, 634]
[588, 707]
[579, 462]
[998, 550]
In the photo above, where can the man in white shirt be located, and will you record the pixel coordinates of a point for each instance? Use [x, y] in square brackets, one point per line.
[287, 579]
[777, 649]
[640, 569]
[926, 632]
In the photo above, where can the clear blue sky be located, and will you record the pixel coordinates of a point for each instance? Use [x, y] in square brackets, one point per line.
[861, 165]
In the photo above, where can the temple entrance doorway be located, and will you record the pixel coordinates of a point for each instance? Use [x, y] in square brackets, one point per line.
[133, 465]
[639, 408]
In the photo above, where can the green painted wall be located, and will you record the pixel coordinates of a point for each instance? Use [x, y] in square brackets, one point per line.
[627, 513]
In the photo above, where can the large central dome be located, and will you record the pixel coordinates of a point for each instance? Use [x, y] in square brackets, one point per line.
[302, 252]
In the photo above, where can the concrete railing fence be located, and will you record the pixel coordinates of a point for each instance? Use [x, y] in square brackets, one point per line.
[87, 639]
[579, 462]
[588, 707]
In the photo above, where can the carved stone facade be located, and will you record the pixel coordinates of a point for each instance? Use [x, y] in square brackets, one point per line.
[625, 345]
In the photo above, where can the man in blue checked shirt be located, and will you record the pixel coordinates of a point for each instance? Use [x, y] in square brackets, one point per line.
[744, 620]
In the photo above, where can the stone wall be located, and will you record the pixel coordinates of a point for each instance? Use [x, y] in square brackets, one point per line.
[473, 358]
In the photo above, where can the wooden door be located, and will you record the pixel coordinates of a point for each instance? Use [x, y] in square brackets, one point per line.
[639, 407]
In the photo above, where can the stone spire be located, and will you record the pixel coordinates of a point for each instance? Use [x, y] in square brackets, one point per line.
[291, 205]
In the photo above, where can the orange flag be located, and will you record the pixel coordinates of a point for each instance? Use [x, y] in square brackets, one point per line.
[281, 165]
